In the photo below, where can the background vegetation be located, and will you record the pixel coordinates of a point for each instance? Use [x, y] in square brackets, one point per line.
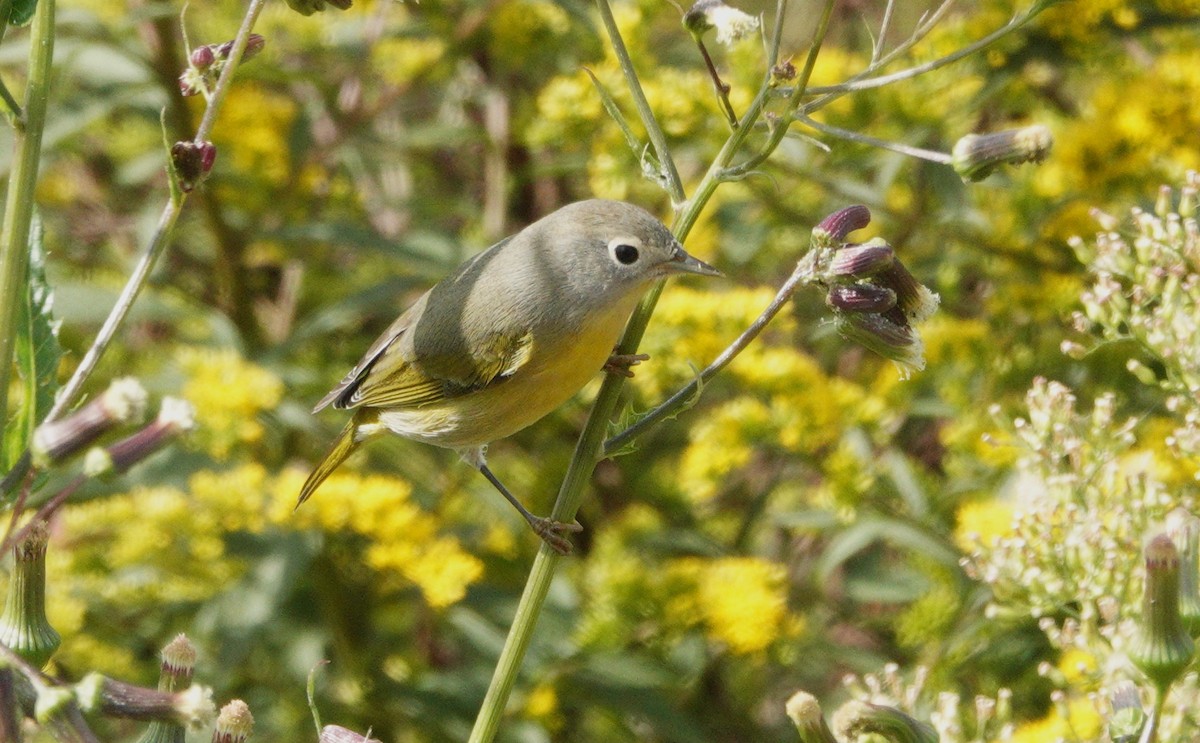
[807, 519]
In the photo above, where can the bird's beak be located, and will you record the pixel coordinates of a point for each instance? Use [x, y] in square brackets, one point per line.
[681, 262]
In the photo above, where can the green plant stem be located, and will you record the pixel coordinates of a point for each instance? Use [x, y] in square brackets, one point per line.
[1150, 730]
[162, 232]
[18, 210]
[667, 167]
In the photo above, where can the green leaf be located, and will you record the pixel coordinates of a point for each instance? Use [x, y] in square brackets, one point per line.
[22, 12]
[37, 351]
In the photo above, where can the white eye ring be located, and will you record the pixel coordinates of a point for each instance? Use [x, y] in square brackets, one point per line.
[625, 251]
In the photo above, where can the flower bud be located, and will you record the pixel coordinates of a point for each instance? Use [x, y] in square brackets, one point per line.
[1162, 649]
[191, 162]
[731, 24]
[805, 712]
[191, 707]
[1127, 718]
[175, 674]
[841, 223]
[234, 724]
[862, 261]
[975, 156]
[913, 298]
[860, 298]
[55, 441]
[1184, 531]
[884, 337]
[23, 625]
[339, 734]
[856, 719]
[174, 417]
[254, 45]
[202, 57]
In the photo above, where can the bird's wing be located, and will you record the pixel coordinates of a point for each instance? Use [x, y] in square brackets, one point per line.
[385, 379]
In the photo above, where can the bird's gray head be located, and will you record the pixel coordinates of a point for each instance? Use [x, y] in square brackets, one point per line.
[611, 247]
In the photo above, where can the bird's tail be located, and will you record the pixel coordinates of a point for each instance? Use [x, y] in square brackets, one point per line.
[345, 444]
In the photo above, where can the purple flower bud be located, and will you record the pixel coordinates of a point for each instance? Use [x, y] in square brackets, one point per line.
[916, 301]
[254, 45]
[861, 261]
[860, 298]
[191, 162]
[202, 57]
[844, 221]
[97, 693]
[53, 442]
[175, 417]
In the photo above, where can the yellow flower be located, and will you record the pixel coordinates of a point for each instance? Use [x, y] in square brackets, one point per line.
[983, 521]
[1083, 723]
[1079, 668]
[228, 393]
[742, 601]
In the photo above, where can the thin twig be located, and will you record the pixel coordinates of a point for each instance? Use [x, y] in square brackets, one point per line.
[162, 232]
[884, 27]
[721, 88]
[942, 158]
[685, 396]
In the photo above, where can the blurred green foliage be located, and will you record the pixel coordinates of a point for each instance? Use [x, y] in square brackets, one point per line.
[798, 524]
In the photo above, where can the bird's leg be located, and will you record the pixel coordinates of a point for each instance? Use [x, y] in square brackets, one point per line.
[622, 363]
[549, 530]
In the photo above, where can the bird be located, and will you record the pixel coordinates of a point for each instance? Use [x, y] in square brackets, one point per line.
[507, 337]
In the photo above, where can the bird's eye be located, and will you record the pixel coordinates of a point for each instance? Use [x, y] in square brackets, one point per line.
[625, 254]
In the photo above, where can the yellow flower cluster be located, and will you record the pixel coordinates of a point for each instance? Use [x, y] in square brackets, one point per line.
[251, 135]
[228, 393]
[741, 602]
[399, 60]
[524, 27]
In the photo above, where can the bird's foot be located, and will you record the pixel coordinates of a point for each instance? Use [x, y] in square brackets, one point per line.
[622, 363]
[552, 531]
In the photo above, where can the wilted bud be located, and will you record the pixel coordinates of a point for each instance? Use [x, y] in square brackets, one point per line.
[191, 162]
[174, 417]
[885, 337]
[916, 301]
[24, 628]
[860, 298]
[731, 24]
[234, 724]
[805, 712]
[1125, 722]
[191, 707]
[122, 402]
[1162, 648]
[975, 156]
[308, 7]
[339, 734]
[856, 719]
[1184, 531]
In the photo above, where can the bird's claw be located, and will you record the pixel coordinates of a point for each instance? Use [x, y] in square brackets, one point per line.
[552, 531]
[622, 363]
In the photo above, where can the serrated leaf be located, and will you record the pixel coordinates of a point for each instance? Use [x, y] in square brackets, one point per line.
[37, 350]
[22, 12]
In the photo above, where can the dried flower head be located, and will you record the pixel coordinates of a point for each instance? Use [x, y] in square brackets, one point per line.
[730, 23]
